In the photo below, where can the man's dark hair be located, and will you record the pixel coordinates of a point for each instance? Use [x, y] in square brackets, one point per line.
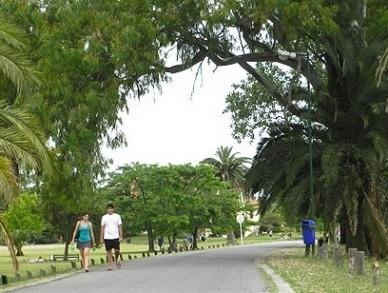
[110, 206]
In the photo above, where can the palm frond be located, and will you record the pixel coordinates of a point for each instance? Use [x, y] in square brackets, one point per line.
[14, 64]
[27, 127]
[13, 37]
[8, 182]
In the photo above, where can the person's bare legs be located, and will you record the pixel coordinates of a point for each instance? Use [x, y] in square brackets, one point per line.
[110, 261]
[117, 256]
[81, 252]
[85, 259]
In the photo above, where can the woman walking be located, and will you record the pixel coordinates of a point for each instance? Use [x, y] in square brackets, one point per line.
[83, 234]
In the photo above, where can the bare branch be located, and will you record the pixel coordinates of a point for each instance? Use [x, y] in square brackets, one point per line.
[272, 89]
[200, 56]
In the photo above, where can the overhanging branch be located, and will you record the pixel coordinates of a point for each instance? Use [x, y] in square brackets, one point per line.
[200, 56]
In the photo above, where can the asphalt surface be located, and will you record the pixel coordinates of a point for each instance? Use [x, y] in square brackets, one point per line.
[223, 270]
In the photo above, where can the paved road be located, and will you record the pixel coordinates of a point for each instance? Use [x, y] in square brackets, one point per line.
[223, 270]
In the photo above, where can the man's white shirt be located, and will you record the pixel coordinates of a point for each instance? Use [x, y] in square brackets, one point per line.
[111, 223]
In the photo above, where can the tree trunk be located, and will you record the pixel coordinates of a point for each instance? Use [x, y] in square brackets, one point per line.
[67, 238]
[174, 244]
[66, 252]
[150, 237]
[9, 243]
[19, 251]
[169, 241]
[343, 233]
[377, 232]
[172, 241]
[231, 238]
[195, 239]
[359, 239]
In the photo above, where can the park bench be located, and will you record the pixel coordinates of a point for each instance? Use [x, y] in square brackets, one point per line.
[62, 257]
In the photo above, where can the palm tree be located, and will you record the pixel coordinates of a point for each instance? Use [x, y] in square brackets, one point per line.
[21, 138]
[230, 167]
[15, 67]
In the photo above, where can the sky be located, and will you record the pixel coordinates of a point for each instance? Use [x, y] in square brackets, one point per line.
[179, 127]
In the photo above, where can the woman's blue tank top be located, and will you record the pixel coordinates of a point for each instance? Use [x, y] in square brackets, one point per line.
[84, 233]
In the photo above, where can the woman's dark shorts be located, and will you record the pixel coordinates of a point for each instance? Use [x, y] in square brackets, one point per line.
[81, 245]
[112, 244]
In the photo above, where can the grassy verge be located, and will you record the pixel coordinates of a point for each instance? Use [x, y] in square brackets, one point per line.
[136, 247]
[306, 274]
[269, 283]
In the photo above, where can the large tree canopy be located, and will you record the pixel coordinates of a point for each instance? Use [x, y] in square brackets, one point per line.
[174, 199]
[336, 48]
[94, 52]
[90, 55]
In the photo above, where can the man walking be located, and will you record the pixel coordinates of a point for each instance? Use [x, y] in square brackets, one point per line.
[112, 234]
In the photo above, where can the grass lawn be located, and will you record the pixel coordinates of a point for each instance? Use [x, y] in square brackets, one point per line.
[307, 274]
[136, 247]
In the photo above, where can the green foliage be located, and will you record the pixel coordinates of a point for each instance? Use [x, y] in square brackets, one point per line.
[25, 219]
[91, 56]
[22, 143]
[15, 67]
[168, 200]
[273, 220]
[229, 166]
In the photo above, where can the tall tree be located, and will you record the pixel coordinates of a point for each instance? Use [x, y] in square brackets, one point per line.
[229, 166]
[90, 55]
[335, 46]
[22, 143]
[25, 219]
[170, 200]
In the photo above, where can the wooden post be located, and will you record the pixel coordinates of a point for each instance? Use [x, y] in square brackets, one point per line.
[17, 277]
[53, 269]
[351, 259]
[92, 261]
[29, 275]
[4, 279]
[338, 257]
[143, 254]
[359, 263]
[102, 261]
[129, 257]
[73, 265]
[376, 272]
[320, 252]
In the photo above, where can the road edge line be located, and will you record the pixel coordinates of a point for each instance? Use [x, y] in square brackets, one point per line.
[281, 285]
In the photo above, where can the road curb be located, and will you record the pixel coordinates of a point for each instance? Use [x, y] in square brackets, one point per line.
[281, 285]
[38, 282]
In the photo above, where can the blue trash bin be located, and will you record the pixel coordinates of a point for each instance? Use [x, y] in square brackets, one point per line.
[308, 230]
